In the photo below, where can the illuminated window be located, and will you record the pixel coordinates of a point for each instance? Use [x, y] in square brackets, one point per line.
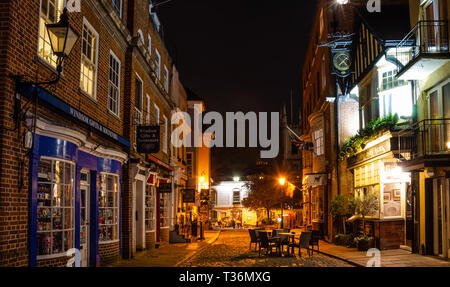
[318, 142]
[56, 202]
[149, 46]
[389, 80]
[114, 84]
[89, 60]
[50, 12]
[147, 118]
[156, 115]
[108, 208]
[139, 89]
[164, 210]
[149, 207]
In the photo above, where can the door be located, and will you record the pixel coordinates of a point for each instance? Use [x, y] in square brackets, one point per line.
[441, 236]
[447, 211]
[84, 219]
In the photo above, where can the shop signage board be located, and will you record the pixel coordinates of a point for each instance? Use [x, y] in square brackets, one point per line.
[370, 153]
[148, 139]
[75, 113]
[189, 196]
[165, 188]
[204, 195]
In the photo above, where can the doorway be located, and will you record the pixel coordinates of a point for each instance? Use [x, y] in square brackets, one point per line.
[84, 217]
[441, 217]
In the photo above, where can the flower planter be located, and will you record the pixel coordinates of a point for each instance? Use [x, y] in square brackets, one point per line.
[364, 245]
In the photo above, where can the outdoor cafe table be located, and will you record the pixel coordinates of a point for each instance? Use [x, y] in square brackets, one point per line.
[291, 236]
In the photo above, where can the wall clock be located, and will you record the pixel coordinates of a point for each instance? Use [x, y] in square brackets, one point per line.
[342, 62]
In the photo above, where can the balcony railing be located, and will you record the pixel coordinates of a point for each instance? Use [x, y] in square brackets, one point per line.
[426, 38]
[426, 138]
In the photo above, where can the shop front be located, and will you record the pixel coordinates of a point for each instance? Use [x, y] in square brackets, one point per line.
[315, 187]
[75, 199]
[74, 186]
[376, 171]
[152, 188]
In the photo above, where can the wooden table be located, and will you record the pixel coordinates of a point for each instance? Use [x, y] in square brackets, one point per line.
[291, 236]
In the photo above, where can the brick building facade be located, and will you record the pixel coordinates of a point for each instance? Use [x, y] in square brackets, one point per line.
[81, 183]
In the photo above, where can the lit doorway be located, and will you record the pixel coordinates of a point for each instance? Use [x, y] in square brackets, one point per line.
[84, 217]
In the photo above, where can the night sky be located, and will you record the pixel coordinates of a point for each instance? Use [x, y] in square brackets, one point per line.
[239, 55]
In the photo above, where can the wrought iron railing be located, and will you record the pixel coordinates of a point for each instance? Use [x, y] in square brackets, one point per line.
[427, 37]
[426, 138]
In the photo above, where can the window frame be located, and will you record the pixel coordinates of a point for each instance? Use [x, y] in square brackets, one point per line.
[62, 206]
[166, 131]
[121, 8]
[152, 207]
[141, 36]
[97, 41]
[117, 208]
[113, 55]
[158, 64]
[166, 78]
[50, 64]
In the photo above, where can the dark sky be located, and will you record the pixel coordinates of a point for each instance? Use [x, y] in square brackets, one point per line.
[239, 55]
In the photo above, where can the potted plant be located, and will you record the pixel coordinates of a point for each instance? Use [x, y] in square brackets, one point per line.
[341, 207]
[364, 207]
[343, 239]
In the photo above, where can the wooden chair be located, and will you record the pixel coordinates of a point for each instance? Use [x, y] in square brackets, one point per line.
[284, 241]
[268, 244]
[253, 238]
[303, 242]
[315, 237]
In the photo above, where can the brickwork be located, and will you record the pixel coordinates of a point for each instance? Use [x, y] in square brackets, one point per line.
[19, 31]
[19, 50]
[165, 232]
[109, 253]
[54, 262]
[150, 240]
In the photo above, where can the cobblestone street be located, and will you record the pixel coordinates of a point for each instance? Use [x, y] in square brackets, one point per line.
[232, 250]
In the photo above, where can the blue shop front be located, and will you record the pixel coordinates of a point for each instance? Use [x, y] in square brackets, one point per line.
[75, 197]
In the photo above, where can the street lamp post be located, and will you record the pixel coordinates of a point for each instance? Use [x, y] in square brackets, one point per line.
[62, 40]
[282, 182]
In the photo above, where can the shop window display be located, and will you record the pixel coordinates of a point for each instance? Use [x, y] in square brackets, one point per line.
[164, 210]
[108, 218]
[55, 206]
[392, 200]
[149, 208]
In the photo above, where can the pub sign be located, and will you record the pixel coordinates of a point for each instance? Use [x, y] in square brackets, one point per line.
[148, 139]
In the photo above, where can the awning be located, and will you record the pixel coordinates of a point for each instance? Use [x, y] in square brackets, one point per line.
[160, 162]
[353, 218]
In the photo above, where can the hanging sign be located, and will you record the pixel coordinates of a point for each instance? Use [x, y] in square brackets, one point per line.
[165, 188]
[316, 179]
[189, 196]
[148, 139]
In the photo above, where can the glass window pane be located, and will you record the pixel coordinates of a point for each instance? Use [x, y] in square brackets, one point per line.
[57, 243]
[44, 243]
